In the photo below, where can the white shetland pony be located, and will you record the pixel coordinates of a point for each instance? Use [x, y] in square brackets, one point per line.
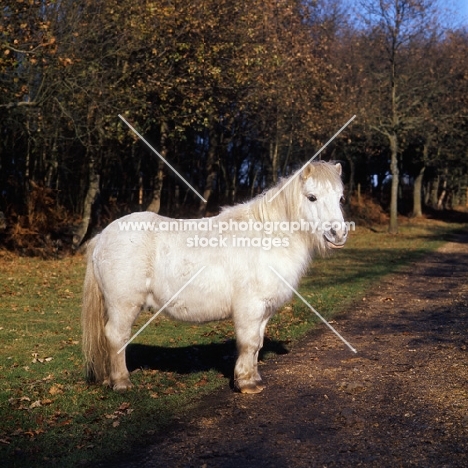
[138, 262]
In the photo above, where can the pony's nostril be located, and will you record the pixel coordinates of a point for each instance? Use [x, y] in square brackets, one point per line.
[333, 232]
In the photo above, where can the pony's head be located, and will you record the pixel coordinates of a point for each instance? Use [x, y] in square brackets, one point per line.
[312, 198]
[322, 194]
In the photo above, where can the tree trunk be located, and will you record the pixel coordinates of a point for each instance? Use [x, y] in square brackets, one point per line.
[440, 201]
[27, 175]
[288, 155]
[417, 194]
[91, 194]
[434, 195]
[155, 203]
[140, 192]
[463, 192]
[393, 227]
[455, 198]
[274, 153]
[252, 186]
[352, 176]
[427, 192]
[211, 173]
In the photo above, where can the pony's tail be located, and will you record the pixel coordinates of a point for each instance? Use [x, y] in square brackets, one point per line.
[93, 320]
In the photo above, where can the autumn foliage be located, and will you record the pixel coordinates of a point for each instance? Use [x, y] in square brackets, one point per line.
[233, 94]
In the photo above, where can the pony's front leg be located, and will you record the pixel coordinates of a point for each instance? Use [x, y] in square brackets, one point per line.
[249, 339]
[118, 330]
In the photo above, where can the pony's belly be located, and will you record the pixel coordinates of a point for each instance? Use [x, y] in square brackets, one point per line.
[193, 308]
[195, 313]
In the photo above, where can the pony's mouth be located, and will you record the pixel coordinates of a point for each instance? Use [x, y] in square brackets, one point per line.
[334, 239]
[335, 246]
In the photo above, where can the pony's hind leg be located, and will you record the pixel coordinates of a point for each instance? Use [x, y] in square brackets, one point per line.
[118, 329]
[249, 338]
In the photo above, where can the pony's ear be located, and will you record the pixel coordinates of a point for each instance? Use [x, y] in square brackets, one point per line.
[338, 168]
[308, 171]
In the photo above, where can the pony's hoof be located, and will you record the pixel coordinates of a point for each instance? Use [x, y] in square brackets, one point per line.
[122, 386]
[250, 387]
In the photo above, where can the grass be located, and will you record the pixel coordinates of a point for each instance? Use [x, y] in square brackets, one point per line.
[49, 414]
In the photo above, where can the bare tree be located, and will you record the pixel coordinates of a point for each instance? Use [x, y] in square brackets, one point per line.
[395, 30]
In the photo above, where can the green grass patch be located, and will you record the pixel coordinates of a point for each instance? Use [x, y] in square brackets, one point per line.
[49, 414]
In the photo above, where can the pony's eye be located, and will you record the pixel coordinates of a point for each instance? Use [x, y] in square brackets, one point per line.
[312, 198]
[342, 200]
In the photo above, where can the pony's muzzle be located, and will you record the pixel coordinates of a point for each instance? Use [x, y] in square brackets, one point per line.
[336, 236]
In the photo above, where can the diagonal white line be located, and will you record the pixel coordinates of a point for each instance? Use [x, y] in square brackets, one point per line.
[159, 156]
[161, 309]
[312, 158]
[313, 310]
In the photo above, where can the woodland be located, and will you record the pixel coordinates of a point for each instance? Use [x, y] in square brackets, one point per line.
[234, 95]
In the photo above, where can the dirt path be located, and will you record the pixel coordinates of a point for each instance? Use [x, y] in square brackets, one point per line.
[402, 401]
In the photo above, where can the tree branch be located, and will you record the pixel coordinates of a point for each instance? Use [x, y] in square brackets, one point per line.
[10, 105]
[19, 51]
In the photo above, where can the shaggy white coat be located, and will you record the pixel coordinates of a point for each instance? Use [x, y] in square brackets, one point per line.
[130, 270]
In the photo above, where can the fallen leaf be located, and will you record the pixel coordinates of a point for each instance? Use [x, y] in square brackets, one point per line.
[124, 406]
[116, 423]
[36, 404]
[65, 423]
[56, 389]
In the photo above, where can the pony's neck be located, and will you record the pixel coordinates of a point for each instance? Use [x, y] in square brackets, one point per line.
[282, 203]
[277, 204]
